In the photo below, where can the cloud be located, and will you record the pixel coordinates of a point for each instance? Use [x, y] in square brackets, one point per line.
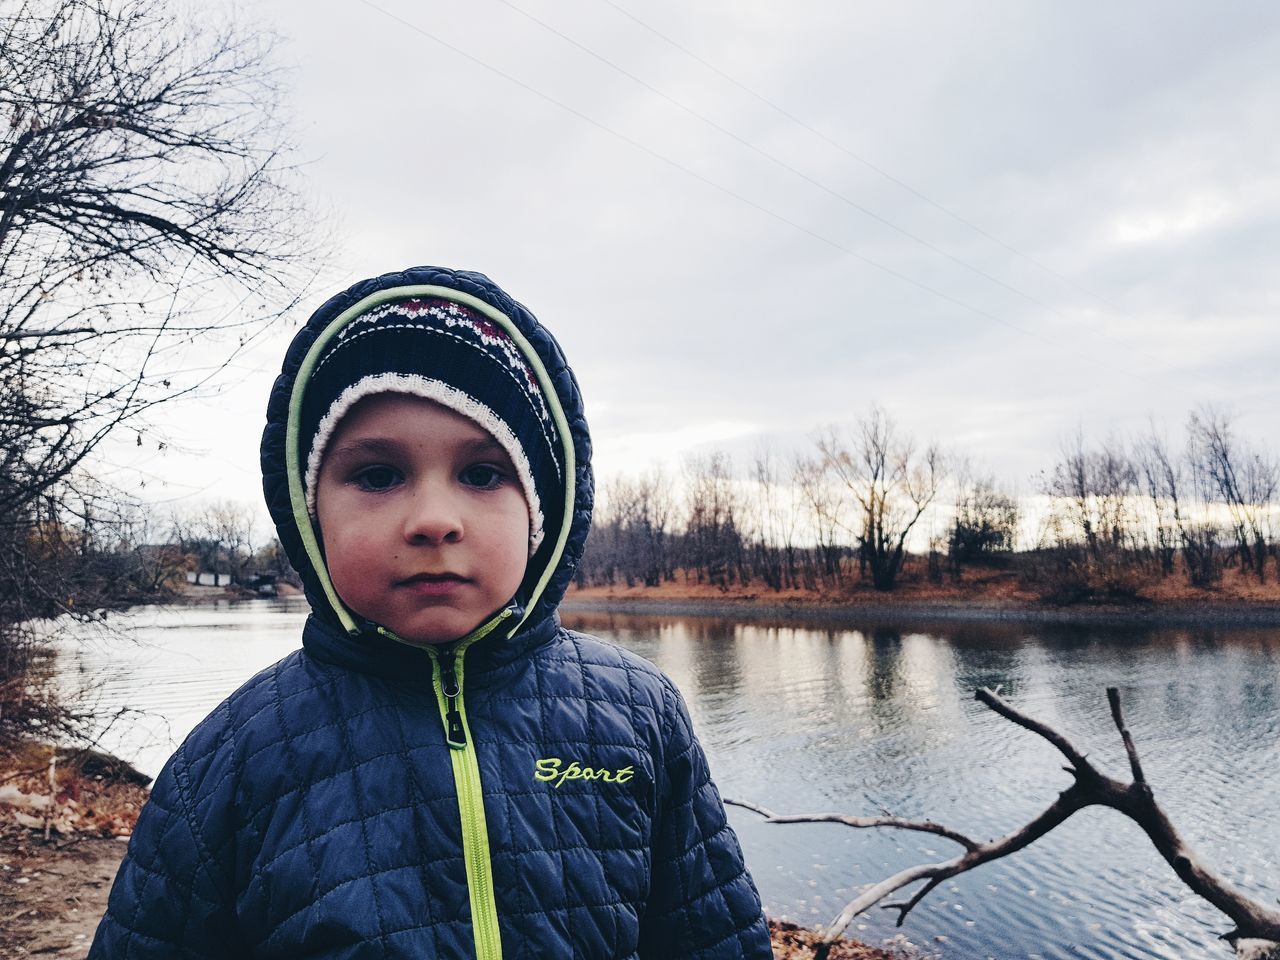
[703, 291]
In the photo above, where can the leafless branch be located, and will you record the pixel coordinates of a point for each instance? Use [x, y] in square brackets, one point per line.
[148, 207]
[1254, 921]
[900, 823]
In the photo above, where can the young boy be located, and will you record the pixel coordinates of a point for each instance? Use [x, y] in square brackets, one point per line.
[442, 770]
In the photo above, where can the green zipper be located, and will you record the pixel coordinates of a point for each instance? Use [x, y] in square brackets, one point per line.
[447, 678]
[466, 767]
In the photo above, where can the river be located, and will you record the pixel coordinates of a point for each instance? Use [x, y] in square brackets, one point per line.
[864, 719]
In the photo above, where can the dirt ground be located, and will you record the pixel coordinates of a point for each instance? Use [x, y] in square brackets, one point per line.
[791, 942]
[53, 893]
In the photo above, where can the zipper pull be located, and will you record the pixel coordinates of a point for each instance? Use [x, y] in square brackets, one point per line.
[454, 733]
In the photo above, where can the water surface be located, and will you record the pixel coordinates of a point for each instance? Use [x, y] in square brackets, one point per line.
[806, 719]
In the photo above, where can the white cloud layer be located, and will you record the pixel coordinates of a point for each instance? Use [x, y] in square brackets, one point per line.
[1121, 161]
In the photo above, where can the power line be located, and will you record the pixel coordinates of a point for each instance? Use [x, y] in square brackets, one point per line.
[783, 111]
[772, 158]
[905, 278]
[809, 179]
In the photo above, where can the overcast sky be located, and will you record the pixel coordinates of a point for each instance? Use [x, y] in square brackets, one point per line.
[1000, 221]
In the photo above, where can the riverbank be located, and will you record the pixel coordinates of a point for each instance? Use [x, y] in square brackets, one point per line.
[52, 894]
[202, 593]
[979, 596]
[976, 596]
[62, 837]
[53, 891]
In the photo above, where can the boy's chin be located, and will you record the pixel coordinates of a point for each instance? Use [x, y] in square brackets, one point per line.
[432, 638]
[435, 634]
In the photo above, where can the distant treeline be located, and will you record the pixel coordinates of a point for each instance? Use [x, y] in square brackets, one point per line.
[1107, 519]
[1108, 516]
[117, 554]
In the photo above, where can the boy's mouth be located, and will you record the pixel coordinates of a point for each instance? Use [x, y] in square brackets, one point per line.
[433, 584]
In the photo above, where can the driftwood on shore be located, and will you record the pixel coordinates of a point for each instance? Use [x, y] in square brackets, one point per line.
[1256, 935]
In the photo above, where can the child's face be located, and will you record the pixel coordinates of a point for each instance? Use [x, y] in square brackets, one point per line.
[425, 527]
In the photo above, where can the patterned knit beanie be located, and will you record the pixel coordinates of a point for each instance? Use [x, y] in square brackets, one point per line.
[438, 350]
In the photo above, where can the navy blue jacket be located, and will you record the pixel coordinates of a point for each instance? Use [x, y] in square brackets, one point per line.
[532, 792]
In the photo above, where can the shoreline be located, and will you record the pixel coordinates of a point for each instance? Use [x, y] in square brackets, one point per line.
[1223, 613]
[758, 605]
[53, 891]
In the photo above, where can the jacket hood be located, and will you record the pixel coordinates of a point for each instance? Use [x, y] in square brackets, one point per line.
[551, 567]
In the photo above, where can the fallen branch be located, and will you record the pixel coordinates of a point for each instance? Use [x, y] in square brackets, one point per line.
[1255, 923]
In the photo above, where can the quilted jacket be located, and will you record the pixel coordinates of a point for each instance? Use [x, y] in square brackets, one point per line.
[525, 792]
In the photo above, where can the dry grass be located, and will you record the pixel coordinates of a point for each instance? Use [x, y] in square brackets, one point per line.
[91, 794]
[999, 587]
[791, 942]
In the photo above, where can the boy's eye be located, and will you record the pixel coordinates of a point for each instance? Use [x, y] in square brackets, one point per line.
[482, 475]
[377, 478]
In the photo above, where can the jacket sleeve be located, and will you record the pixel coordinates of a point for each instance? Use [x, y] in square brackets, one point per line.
[703, 904]
[167, 901]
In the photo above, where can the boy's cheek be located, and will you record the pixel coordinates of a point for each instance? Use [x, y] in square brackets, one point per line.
[354, 569]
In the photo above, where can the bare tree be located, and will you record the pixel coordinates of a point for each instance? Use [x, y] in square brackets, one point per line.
[1092, 523]
[230, 525]
[1257, 926]
[1163, 482]
[156, 565]
[1244, 480]
[713, 534]
[1181, 507]
[149, 231]
[272, 559]
[1096, 487]
[636, 540]
[892, 485]
[145, 205]
[985, 524]
[776, 515]
[219, 535]
[600, 556]
[827, 514]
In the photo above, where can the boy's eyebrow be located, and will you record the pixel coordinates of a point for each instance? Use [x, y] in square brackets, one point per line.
[377, 446]
[484, 445]
[385, 447]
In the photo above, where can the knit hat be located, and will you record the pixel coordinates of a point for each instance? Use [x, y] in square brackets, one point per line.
[443, 351]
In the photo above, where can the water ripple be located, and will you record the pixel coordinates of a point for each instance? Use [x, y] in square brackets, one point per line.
[863, 720]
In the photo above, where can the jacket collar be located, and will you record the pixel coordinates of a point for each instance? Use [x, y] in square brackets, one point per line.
[372, 653]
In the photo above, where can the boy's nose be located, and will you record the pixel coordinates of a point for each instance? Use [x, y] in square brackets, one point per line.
[432, 519]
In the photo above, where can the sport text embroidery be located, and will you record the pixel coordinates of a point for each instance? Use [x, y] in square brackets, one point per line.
[550, 769]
